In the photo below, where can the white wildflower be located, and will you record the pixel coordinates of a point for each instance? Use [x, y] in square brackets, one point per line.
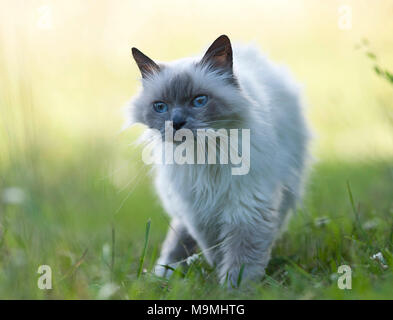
[13, 195]
[379, 258]
[322, 221]
[107, 290]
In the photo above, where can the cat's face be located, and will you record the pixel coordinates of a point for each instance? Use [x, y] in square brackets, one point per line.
[192, 94]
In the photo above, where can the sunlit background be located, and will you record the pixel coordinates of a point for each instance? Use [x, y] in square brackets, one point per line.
[66, 71]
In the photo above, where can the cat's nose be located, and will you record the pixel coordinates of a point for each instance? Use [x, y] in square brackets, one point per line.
[178, 121]
[178, 125]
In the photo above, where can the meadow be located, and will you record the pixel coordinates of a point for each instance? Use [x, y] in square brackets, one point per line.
[75, 195]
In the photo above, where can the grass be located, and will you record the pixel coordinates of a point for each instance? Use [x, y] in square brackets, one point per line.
[75, 195]
[56, 225]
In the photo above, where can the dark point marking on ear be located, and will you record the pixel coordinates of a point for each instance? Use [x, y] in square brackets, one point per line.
[220, 56]
[146, 65]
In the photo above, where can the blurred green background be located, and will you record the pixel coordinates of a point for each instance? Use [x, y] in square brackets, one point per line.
[75, 195]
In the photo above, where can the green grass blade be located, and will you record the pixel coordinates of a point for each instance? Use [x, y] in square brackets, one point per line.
[142, 258]
[239, 278]
[113, 253]
[355, 211]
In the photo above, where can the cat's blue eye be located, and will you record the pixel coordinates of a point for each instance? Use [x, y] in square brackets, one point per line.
[160, 107]
[200, 101]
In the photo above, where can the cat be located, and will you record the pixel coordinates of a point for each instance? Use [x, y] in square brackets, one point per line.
[233, 219]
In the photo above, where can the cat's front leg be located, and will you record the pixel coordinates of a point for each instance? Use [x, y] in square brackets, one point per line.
[177, 246]
[246, 249]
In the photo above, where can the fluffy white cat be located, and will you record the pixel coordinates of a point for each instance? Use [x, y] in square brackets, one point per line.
[233, 219]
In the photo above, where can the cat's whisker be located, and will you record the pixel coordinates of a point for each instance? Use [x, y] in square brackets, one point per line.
[139, 175]
[131, 180]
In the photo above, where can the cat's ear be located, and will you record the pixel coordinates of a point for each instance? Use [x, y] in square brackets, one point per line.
[219, 55]
[146, 65]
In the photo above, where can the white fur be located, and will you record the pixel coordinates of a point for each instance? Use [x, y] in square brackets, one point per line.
[239, 216]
